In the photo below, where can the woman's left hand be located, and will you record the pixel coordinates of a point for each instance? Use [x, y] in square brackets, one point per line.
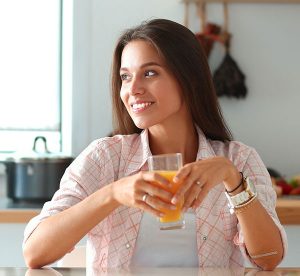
[200, 177]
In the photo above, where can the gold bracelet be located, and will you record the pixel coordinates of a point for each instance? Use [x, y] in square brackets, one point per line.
[264, 255]
[241, 208]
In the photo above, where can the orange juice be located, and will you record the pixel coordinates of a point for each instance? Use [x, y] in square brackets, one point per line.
[171, 215]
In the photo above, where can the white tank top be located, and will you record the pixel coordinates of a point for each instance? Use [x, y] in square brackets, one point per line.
[166, 248]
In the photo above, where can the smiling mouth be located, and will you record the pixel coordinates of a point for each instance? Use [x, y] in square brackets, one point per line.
[140, 106]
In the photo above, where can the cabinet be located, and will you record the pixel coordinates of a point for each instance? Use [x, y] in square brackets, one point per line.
[293, 255]
[11, 238]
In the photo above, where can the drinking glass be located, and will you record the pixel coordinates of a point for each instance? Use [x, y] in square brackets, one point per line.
[167, 166]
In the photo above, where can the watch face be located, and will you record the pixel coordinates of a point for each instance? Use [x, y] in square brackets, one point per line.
[242, 197]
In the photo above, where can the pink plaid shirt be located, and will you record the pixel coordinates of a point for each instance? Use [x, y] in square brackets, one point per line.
[111, 243]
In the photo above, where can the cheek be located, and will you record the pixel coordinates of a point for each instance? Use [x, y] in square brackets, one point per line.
[174, 97]
[123, 96]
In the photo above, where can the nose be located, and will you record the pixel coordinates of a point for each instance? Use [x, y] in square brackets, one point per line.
[136, 86]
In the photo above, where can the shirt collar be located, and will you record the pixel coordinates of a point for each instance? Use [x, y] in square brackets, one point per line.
[139, 153]
[205, 149]
[140, 156]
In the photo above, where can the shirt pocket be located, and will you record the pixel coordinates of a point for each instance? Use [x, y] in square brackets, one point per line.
[229, 224]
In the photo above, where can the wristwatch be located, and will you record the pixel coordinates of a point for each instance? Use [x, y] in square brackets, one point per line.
[240, 199]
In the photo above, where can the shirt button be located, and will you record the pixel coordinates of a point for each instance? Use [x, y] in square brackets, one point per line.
[204, 238]
[127, 245]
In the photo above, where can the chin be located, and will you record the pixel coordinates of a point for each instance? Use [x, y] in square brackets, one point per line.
[142, 124]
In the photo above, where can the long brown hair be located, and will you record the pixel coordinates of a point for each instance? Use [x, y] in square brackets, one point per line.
[187, 61]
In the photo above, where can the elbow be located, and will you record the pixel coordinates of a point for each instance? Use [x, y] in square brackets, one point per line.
[36, 256]
[268, 267]
[32, 265]
[31, 259]
[269, 264]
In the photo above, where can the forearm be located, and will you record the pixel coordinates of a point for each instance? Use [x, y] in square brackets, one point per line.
[58, 234]
[261, 235]
[260, 232]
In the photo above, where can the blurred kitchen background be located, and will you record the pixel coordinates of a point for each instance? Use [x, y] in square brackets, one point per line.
[265, 43]
[56, 59]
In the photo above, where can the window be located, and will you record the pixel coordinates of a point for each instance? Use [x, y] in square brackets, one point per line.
[30, 73]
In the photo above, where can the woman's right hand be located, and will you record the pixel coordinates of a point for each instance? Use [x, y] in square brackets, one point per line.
[131, 191]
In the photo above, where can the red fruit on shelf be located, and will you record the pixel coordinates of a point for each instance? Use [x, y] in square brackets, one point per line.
[286, 188]
[295, 191]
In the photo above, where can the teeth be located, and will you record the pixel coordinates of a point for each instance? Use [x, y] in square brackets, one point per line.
[140, 105]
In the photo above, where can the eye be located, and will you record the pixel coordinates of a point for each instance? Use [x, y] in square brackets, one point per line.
[150, 73]
[124, 76]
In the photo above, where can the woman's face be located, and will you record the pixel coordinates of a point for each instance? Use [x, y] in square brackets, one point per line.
[149, 91]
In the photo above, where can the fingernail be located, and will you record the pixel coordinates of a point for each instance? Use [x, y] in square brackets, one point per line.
[175, 179]
[174, 200]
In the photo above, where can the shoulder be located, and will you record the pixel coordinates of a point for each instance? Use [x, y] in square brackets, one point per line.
[231, 149]
[111, 146]
[244, 157]
[239, 153]
[102, 156]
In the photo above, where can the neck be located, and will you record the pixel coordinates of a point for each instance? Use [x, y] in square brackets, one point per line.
[172, 138]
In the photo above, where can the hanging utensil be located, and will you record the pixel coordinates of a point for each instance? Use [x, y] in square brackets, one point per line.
[209, 31]
[228, 79]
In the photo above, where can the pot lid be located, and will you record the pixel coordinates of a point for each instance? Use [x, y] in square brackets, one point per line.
[34, 154]
[29, 156]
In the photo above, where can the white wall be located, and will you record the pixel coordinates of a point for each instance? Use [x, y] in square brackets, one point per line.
[266, 43]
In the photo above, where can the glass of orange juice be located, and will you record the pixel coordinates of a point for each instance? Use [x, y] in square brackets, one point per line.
[167, 166]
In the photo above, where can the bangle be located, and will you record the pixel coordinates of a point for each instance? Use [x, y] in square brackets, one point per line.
[240, 184]
[241, 208]
[263, 255]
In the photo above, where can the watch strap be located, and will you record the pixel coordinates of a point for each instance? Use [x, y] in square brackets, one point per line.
[241, 199]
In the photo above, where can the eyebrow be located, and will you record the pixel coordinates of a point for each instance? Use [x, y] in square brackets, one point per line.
[151, 63]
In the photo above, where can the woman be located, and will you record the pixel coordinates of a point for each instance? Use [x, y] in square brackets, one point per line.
[164, 102]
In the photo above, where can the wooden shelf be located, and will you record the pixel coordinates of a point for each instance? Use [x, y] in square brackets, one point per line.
[288, 211]
[17, 215]
[244, 1]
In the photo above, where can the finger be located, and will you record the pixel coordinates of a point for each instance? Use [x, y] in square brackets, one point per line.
[182, 173]
[203, 193]
[159, 192]
[145, 207]
[188, 183]
[158, 204]
[157, 178]
[191, 196]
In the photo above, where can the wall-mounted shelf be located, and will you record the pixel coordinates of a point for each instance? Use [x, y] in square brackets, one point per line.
[244, 1]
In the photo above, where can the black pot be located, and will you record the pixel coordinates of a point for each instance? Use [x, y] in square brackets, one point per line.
[35, 177]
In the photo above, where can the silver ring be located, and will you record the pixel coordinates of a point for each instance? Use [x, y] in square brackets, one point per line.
[198, 182]
[144, 198]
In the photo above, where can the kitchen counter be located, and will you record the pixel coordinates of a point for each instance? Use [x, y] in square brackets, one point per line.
[145, 271]
[18, 212]
[288, 210]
